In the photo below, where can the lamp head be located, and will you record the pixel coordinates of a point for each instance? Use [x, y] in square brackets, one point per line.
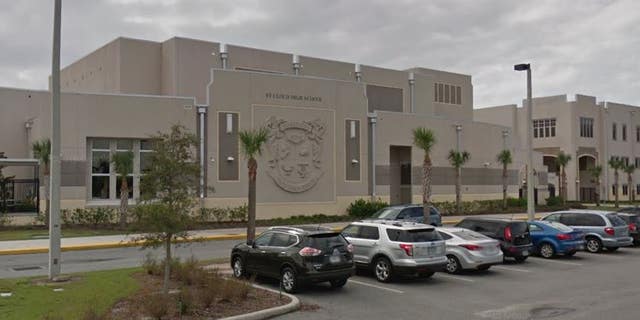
[521, 67]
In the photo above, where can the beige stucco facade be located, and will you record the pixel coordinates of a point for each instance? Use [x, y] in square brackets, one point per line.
[338, 131]
[593, 145]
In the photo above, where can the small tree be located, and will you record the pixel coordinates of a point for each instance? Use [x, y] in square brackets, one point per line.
[629, 170]
[42, 152]
[169, 192]
[251, 142]
[562, 160]
[123, 164]
[595, 173]
[616, 164]
[457, 159]
[505, 158]
[425, 139]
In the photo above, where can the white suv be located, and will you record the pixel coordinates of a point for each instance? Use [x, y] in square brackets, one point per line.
[392, 248]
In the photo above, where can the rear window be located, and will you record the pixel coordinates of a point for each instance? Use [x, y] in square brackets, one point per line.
[518, 227]
[413, 235]
[559, 226]
[325, 241]
[387, 213]
[470, 235]
[615, 220]
[634, 219]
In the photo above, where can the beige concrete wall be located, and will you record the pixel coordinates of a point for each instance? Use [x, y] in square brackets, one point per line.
[451, 111]
[621, 114]
[188, 66]
[99, 71]
[388, 78]
[257, 59]
[245, 93]
[140, 67]
[316, 67]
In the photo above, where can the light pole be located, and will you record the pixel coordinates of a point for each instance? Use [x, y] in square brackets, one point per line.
[54, 212]
[530, 182]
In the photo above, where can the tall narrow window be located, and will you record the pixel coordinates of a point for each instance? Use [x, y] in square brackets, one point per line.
[624, 132]
[638, 134]
[586, 127]
[100, 168]
[446, 93]
[435, 92]
[614, 131]
[459, 95]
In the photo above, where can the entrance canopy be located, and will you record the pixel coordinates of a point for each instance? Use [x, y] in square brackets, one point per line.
[19, 162]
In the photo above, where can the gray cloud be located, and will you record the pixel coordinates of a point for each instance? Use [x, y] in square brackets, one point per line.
[588, 47]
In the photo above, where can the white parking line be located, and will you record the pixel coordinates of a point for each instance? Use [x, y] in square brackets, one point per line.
[510, 269]
[375, 286]
[559, 262]
[455, 277]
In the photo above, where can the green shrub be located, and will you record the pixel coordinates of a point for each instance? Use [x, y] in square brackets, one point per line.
[230, 214]
[92, 217]
[516, 202]
[362, 208]
[4, 220]
[554, 201]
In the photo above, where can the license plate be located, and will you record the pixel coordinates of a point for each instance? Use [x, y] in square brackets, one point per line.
[334, 259]
[525, 253]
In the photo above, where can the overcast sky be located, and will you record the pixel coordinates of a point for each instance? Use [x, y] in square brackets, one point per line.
[589, 46]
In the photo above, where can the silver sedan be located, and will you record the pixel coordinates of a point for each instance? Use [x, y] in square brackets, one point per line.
[469, 250]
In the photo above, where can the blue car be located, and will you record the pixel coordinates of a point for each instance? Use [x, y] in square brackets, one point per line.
[553, 238]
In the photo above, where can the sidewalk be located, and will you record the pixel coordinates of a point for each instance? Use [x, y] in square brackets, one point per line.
[116, 241]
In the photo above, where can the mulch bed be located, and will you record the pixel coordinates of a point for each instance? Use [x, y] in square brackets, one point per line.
[133, 306]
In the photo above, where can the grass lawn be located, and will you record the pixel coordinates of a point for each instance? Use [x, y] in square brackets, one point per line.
[34, 300]
[30, 234]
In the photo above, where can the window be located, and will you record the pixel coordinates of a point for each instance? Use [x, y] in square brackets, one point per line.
[351, 231]
[638, 134]
[586, 127]
[282, 240]
[444, 236]
[370, 233]
[637, 162]
[589, 220]
[413, 235]
[625, 160]
[533, 227]
[614, 189]
[105, 182]
[544, 128]
[614, 131]
[624, 132]
[625, 189]
[637, 188]
[447, 93]
[553, 217]
[264, 239]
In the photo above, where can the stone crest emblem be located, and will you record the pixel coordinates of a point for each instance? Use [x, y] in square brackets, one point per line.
[294, 153]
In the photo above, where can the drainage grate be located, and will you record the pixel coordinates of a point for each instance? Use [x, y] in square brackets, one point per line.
[27, 268]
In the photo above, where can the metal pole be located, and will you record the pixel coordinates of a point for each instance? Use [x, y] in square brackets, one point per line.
[530, 182]
[203, 161]
[54, 212]
[373, 118]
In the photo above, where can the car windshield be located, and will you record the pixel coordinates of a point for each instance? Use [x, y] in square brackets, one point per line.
[470, 235]
[518, 227]
[615, 220]
[386, 213]
[325, 241]
[413, 235]
[557, 225]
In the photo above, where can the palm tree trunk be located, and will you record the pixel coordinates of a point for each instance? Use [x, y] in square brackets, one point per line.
[251, 224]
[564, 186]
[615, 178]
[559, 184]
[426, 186]
[124, 199]
[167, 263]
[598, 192]
[504, 186]
[629, 188]
[458, 191]
[47, 205]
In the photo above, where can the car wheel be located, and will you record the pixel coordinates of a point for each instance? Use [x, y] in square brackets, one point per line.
[239, 270]
[453, 264]
[593, 245]
[338, 283]
[484, 268]
[426, 274]
[288, 281]
[612, 249]
[547, 251]
[383, 269]
[520, 259]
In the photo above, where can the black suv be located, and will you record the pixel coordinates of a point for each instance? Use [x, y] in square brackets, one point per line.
[514, 237]
[296, 255]
[632, 217]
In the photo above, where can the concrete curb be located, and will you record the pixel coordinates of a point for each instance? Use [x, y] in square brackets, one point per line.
[121, 244]
[271, 312]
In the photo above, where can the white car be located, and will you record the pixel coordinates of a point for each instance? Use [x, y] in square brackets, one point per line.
[469, 250]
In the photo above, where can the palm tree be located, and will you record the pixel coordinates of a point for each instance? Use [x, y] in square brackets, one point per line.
[505, 158]
[42, 151]
[457, 160]
[251, 142]
[123, 165]
[425, 139]
[562, 160]
[629, 169]
[616, 164]
[596, 172]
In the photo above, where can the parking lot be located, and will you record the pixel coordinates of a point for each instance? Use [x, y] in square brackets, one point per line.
[586, 286]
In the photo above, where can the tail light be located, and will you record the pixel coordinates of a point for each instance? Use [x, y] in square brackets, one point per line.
[609, 231]
[471, 247]
[408, 249]
[309, 252]
[507, 233]
[563, 236]
[632, 227]
[350, 248]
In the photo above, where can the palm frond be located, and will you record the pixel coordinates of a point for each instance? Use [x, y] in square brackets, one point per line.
[504, 157]
[563, 159]
[251, 141]
[424, 139]
[42, 150]
[123, 162]
[458, 158]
